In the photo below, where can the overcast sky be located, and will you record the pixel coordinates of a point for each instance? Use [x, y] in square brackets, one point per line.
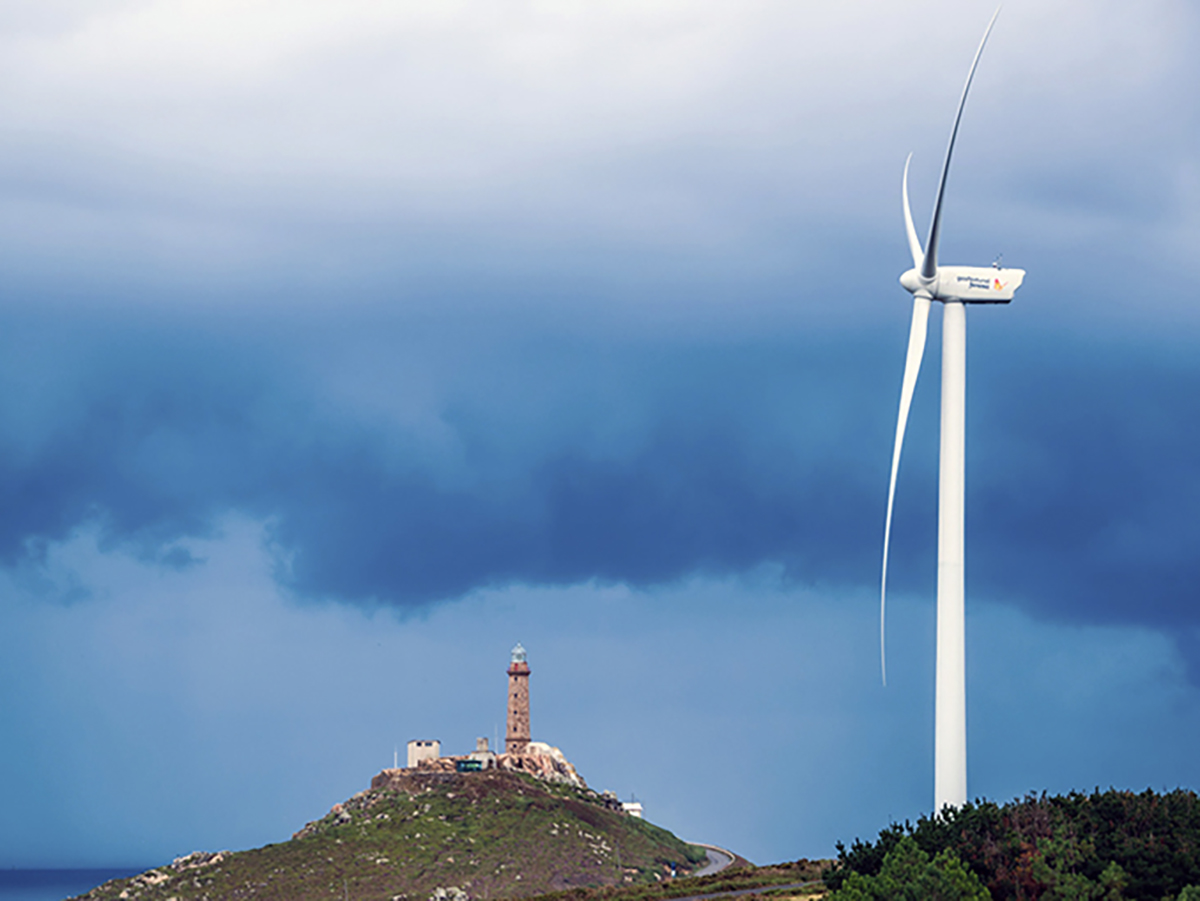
[345, 345]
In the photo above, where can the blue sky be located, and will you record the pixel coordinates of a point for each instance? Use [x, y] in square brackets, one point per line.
[344, 347]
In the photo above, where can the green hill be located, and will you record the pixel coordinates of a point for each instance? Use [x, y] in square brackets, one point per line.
[421, 835]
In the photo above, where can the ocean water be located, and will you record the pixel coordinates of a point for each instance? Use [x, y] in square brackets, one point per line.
[54, 885]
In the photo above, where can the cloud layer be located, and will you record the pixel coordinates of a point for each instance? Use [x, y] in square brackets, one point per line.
[536, 457]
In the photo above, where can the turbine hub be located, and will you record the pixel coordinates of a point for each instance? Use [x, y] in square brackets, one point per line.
[911, 281]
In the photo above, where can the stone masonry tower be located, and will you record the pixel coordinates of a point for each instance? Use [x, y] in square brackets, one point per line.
[517, 738]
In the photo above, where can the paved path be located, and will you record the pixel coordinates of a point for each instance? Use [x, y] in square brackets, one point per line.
[718, 859]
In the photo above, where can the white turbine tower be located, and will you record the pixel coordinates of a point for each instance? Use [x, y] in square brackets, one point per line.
[954, 287]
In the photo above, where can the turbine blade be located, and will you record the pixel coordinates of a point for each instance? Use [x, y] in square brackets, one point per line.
[912, 367]
[914, 243]
[929, 266]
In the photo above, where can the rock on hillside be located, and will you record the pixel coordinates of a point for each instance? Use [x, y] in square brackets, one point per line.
[546, 763]
[443, 836]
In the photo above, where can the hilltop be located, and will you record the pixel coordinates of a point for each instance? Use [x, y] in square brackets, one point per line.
[425, 833]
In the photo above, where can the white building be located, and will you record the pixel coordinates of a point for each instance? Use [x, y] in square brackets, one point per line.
[423, 749]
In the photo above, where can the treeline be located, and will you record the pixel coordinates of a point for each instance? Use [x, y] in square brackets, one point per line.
[1111, 845]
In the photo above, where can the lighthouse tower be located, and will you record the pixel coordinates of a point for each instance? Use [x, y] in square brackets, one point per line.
[517, 739]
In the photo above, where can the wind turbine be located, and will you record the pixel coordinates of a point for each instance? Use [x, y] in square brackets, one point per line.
[954, 287]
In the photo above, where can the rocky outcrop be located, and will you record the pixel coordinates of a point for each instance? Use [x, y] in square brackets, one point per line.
[340, 814]
[139, 884]
[542, 762]
[539, 760]
[198, 859]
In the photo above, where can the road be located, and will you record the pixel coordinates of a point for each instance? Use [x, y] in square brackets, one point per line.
[718, 859]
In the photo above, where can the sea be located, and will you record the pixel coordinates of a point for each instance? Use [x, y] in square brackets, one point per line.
[55, 885]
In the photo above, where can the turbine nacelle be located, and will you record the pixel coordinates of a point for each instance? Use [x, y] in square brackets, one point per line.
[969, 284]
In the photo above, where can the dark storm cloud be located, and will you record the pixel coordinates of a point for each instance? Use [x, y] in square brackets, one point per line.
[682, 459]
[608, 458]
[1089, 479]
[691, 499]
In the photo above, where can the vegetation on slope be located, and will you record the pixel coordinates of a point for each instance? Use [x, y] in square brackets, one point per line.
[907, 874]
[446, 835]
[1112, 845]
[734, 879]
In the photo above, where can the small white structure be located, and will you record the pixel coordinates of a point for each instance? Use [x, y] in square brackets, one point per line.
[633, 808]
[483, 754]
[423, 749]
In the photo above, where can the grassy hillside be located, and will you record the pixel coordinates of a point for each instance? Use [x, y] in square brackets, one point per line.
[756, 882]
[483, 835]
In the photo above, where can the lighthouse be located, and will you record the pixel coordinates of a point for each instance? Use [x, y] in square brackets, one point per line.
[517, 739]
